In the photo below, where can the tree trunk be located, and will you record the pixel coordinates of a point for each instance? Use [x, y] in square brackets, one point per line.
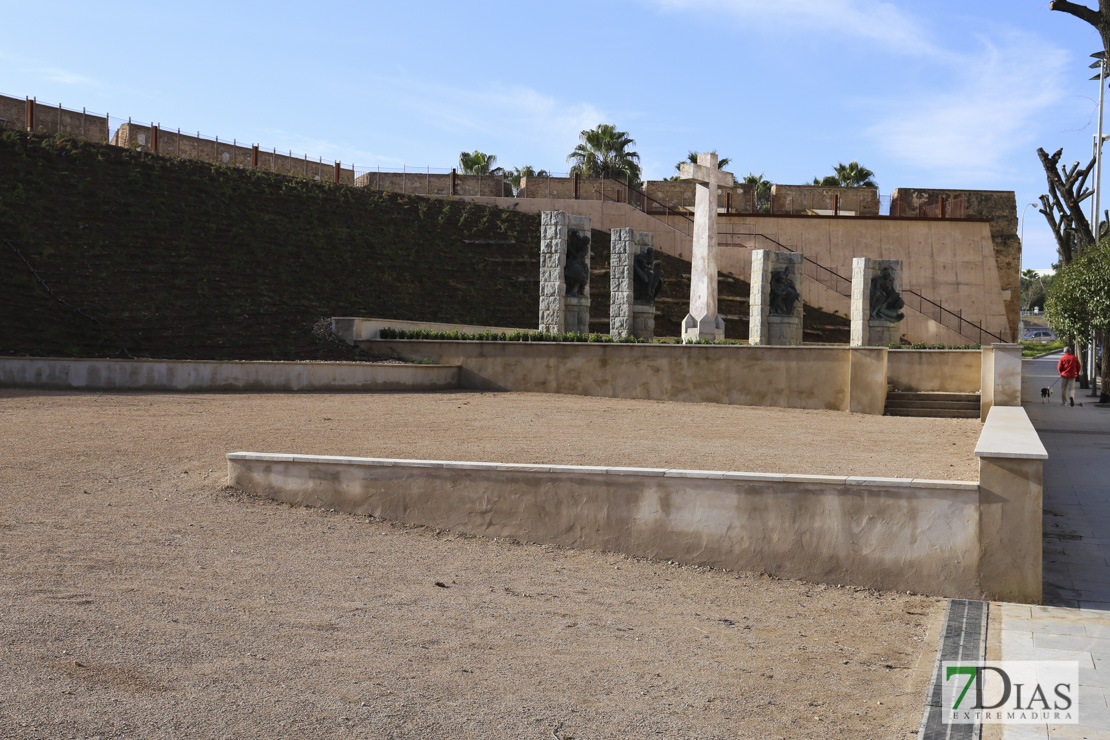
[1081, 352]
[1104, 369]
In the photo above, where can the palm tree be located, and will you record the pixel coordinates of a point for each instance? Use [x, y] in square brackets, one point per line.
[762, 188]
[519, 173]
[478, 163]
[851, 175]
[604, 152]
[855, 175]
[692, 158]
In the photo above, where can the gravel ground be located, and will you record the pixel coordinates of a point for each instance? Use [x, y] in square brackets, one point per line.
[141, 597]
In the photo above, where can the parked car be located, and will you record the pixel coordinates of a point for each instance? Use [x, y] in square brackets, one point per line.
[1040, 336]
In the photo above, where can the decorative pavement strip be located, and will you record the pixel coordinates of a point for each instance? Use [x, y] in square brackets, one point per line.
[963, 639]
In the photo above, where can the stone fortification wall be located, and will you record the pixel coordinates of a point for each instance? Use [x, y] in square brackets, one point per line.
[171, 143]
[588, 188]
[52, 119]
[679, 195]
[424, 183]
[801, 199]
[1000, 206]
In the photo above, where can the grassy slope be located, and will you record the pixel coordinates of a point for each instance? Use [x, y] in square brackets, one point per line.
[182, 259]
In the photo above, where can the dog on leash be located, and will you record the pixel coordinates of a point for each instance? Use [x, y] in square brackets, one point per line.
[1046, 394]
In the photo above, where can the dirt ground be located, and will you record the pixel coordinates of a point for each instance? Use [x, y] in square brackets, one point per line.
[141, 597]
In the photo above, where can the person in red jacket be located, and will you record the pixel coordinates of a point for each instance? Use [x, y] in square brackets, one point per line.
[1068, 367]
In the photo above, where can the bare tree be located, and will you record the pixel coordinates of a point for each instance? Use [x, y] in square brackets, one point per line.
[1100, 18]
[1067, 187]
[1063, 205]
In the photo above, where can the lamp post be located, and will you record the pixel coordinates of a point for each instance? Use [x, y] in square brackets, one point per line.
[1023, 210]
[1096, 227]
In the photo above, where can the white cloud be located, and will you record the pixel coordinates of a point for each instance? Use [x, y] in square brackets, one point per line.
[975, 125]
[875, 20]
[66, 77]
[492, 117]
[502, 110]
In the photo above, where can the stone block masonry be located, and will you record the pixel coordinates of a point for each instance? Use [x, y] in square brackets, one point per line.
[553, 260]
[173, 144]
[30, 115]
[816, 199]
[626, 317]
[765, 325]
[560, 312]
[620, 283]
[440, 184]
[868, 331]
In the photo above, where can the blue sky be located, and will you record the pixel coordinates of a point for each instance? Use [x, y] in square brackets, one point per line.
[939, 94]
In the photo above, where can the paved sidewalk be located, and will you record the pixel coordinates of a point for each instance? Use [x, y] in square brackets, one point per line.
[1076, 490]
[1074, 624]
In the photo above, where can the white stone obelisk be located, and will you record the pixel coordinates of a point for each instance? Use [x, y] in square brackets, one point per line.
[703, 321]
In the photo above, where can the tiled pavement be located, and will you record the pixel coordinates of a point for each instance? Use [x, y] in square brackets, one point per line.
[1074, 624]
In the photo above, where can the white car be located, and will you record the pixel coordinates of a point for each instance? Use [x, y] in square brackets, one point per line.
[1040, 336]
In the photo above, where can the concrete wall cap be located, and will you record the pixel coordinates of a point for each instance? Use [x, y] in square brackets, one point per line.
[856, 480]
[763, 477]
[877, 482]
[793, 478]
[1008, 433]
[712, 474]
[954, 485]
[635, 471]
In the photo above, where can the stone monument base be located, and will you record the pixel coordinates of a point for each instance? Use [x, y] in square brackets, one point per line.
[784, 331]
[882, 333]
[643, 321]
[708, 327]
[577, 314]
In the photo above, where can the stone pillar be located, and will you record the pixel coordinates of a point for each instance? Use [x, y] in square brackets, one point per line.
[876, 325]
[620, 283]
[775, 309]
[564, 273]
[703, 321]
[629, 316]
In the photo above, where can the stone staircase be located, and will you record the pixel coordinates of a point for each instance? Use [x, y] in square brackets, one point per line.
[945, 405]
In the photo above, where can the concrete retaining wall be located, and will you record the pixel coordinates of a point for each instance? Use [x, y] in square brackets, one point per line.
[838, 378]
[951, 371]
[956, 539]
[183, 375]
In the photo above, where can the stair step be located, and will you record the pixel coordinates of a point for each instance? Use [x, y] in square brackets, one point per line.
[931, 396]
[904, 404]
[936, 413]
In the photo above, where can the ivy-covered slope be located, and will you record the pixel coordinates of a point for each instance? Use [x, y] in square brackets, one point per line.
[107, 252]
[168, 258]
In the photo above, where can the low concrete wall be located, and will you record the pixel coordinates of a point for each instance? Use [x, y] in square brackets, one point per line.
[1011, 491]
[951, 371]
[828, 377]
[957, 539]
[888, 533]
[1000, 377]
[184, 375]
